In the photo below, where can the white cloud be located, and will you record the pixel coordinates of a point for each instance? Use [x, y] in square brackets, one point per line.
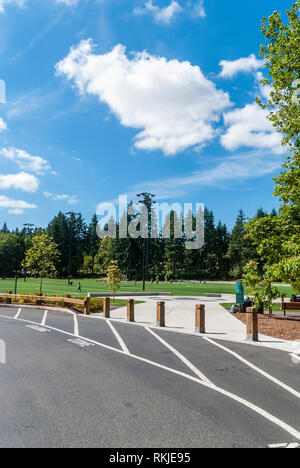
[22, 2]
[172, 102]
[245, 65]
[70, 199]
[21, 181]
[7, 2]
[3, 125]
[249, 127]
[16, 211]
[160, 14]
[238, 169]
[25, 160]
[166, 14]
[12, 204]
[198, 9]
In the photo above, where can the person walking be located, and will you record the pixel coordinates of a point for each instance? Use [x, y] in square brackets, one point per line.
[79, 287]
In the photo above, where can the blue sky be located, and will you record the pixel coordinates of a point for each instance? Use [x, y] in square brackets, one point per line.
[107, 97]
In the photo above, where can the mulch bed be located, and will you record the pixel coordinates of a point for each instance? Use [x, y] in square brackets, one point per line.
[276, 327]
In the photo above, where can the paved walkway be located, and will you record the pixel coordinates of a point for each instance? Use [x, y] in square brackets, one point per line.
[180, 317]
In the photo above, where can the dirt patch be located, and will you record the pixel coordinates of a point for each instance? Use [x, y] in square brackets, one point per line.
[284, 329]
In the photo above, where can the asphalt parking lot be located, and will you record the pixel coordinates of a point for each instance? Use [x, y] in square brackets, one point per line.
[76, 381]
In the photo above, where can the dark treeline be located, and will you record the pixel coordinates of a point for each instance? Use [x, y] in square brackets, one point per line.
[223, 255]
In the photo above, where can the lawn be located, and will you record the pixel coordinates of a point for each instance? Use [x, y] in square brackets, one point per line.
[275, 306]
[60, 286]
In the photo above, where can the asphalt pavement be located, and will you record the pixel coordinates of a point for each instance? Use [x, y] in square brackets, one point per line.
[76, 381]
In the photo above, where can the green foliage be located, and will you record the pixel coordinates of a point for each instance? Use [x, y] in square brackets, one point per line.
[42, 256]
[114, 276]
[277, 236]
[260, 285]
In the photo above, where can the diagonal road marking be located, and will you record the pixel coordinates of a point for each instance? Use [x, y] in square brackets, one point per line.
[181, 357]
[119, 338]
[257, 369]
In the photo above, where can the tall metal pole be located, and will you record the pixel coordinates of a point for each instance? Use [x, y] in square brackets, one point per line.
[148, 202]
[17, 263]
[71, 215]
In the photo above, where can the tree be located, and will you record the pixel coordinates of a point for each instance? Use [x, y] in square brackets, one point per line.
[92, 241]
[42, 257]
[260, 285]
[8, 253]
[240, 249]
[275, 235]
[114, 276]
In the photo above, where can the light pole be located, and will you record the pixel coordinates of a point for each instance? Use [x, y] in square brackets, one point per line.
[148, 202]
[28, 232]
[17, 262]
[72, 215]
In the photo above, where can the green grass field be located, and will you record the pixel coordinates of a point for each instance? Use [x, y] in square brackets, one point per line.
[60, 286]
[275, 307]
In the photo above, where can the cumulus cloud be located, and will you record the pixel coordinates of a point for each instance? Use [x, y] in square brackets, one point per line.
[3, 125]
[15, 206]
[230, 68]
[21, 181]
[70, 199]
[25, 160]
[249, 127]
[172, 103]
[160, 14]
[166, 14]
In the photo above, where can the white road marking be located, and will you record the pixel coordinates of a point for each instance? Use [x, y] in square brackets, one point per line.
[76, 328]
[295, 358]
[181, 357]
[285, 445]
[119, 338]
[257, 369]
[284, 426]
[43, 322]
[18, 313]
[38, 328]
[80, 342]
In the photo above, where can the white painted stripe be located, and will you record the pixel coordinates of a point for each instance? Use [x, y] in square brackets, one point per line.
[257, 369]
[119, 338]
[76, 327]
[181, 357]
[285, 445]
[286, 427]
[18, 313]
[43, 322]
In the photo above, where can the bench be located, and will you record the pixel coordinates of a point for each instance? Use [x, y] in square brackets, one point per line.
[289, 306]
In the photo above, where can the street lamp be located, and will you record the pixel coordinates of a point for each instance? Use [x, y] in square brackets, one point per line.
[72, 216]
[148, 202]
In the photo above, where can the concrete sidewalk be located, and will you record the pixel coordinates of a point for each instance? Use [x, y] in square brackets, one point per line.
[180, 317]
